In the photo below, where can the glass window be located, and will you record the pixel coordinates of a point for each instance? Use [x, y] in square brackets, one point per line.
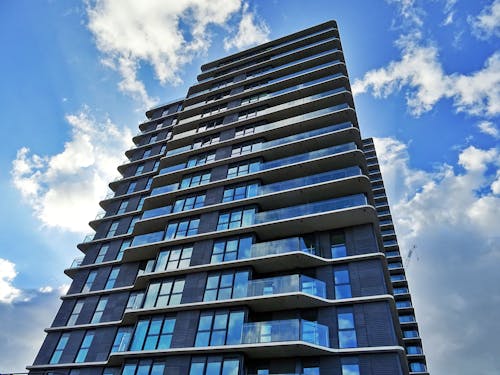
[410, 333]
[246, 148]
[226, 285]
[147, 153]
[122, 339]
[214, 366]
[189, 202]
[245, 130]
[141, 203]
[240, 192]
[417, 367]
[174, 258]
[254, 98]
[153, 138]
[394, 265]
[148, 183]
[311, 371]
[102, 253]
[88, 283]
[163, 293]
[99, 310]
[131, 187]
[156, 165]
[123, 207]
[207, 125]
[242, 169]
[163, 149]
[75, 313]
[153, 333]
[346, 329]
[338, 247]
[110, 283]
[414, 350]
[195, 179]
[135, 300]
[342, 283]
[84, 347]
[112, 228]
[63, 341]
[201, 159]
[123, 246]
[205, 141]
[231, 249]
[182, 228]
[131, 226]
[139, 170]
[219, 328]
[236, 218]
[406, 318]
[352, 369]
[144, 367]
[213, 110]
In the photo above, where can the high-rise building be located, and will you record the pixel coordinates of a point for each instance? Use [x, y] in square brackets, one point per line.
[250, 235]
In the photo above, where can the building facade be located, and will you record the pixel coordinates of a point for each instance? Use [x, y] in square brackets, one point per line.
[249, 235]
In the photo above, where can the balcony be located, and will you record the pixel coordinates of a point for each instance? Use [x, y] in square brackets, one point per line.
[77, 262]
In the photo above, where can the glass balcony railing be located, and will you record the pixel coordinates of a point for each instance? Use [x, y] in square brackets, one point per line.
[390, 243]
[172, 168]
[89, 237]
[285, 330]
[77, 262]
[144, 239]
[155, 212]
[286, 284]
[283, 246]
[164, 189]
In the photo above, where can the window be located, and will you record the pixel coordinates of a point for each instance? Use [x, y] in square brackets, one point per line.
[122, 339]
[311, 371]
[204, 126]
[131, 226]
[226, 285]
[195, 179]
[153, 333]
[201, 159]
[350, 369]
[205, 141]
[75, 313]
[102, 253]
[245, 130]
[403, 304]
[236, 218]
[240, 192]
[56, 356]
[394, 265]
[112, 278]
[112, 228]
[338, 247]
[414, 350]
[90, 280]
[123, 207]
[214, 366]
[163, 149]
[153, 138]
[250, 113]
[242, 169]
[123, 246]
[140, 203]
[219, 328]
[164, 293]
[402, 290]
[84, 347]
[417, 367]
[139, 169]
[135, 300]
[189, 202]
[218, 96]
[147, 153]
[342, 283]
[398, 277]
[144, 367]
[254, 98]
[182, 228]
[174, 258]
[99, 310]
[410, 333]
[231, 249]
[214, 110]
[406, 318]
[220, 84]
[246, 148]
[346, 328]
[131, 187]
[148, 184]
[156, 165]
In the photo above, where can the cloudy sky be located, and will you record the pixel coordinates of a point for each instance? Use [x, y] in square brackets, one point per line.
[78, 76]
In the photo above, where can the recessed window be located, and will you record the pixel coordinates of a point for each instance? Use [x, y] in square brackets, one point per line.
[75, 313]
[113, 275]
[89, 282]
[141, 203]
[226, 285]
[182, 228]
[123, 207]
[148, 183]
[350, 369]
[205, 141]
[147, 153]
[131, 226]
[201, 159]
[123, 246]
[112, 229]
[245, 130]
[144, 367]
[122, 339]
[246, 148]
[219, 328]
[338, 247]
[139, 170]
[231, 249]
[242, 169]
[174, 258]
[189, 202]
[153, 333]
[236, 219]
[195, 180]
[61, 345]
[99, 310]
[240, 192]
[164, 293]
[214, 366]
[207, 125]
[342, 283]
[131, 187]
[346, 329]
[84, 347]
[102, 253]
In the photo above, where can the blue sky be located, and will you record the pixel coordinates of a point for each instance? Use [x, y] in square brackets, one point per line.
[78, 76]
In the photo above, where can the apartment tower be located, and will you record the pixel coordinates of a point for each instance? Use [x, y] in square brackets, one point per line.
[249, 234]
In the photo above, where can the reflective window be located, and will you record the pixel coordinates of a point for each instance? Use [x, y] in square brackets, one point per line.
[311, 371]
[88, 283]
[123, 246]
[245, 148]
[123, 207]
[99, 310]
[393, 265]
[346, 329]
[148, 183]
[163, 293]
[144, 367]
[250, 113]
[163, 149]
[131, 187]
[75, 313]
[402, 290]
[414, 350]
[156, 165]
[350, 369]
[110, 283]
[205, 141]
[139, 170]
[147, 153]
[141, 203]
[240, 192]
[398, 277]
[417, 367]
[102, 253]
[226, 285]
[231, 249]
[112, 228]
[213, 110]
[201, 159]
[242, 169]
[214, 366]
[135, 300]
[122, 339]
[173, 258]
[342, 283]
[410, 333]
[207, 125]
[236, 218]
[189, 202]
[182, 228]
[254, 98]
[219, 328]
[153, 333]
[403, 304]
[84, 347]
[195, 180]
[338, 247]
[245, 130]
[63, 341]
[131, 226]
[153, 138]
[406, 318]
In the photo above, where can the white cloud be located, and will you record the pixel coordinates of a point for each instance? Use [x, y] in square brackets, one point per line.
[74, 180]
[451, 216]
[487, 23]
[8, 293]
[165, 35]
[488, 127]
[421, 73]
[250, 31]
[449, 12]
[409, 13]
